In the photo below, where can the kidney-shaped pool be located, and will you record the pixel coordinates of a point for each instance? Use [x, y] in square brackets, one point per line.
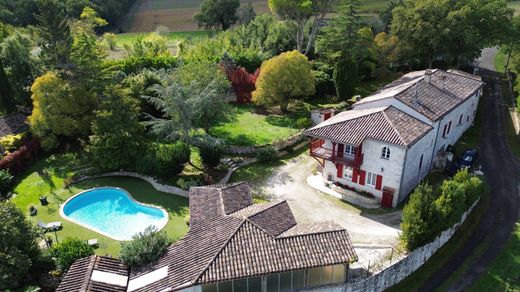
[112, 212]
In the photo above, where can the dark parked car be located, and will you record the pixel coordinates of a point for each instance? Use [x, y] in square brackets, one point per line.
[466, 160]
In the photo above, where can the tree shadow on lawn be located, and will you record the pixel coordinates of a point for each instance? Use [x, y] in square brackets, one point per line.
[234, 138]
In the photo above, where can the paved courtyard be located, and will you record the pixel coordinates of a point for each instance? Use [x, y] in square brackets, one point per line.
[366, 227]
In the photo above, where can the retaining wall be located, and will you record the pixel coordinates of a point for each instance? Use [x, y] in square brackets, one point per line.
[278, 145]
[158, 186]
[400, 270]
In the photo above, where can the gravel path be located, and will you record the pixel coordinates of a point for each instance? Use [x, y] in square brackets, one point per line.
[365, 227]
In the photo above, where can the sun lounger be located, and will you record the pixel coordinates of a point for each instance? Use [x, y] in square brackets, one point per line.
[50, 226]
[93, 242]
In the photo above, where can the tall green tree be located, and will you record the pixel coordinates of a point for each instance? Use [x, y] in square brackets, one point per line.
[18, 248]
[61, 108]
[457, 30]
[277, 86]
[246, 13]
[7, 101]
[300, 12]
[417, 218]
[19, 63]
[346, 78]
[54, 32]
[218, 14]
[116, 126]
[340, 38]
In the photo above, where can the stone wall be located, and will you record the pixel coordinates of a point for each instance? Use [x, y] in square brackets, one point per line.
[158, 186]
[278, 145]
[400, 270]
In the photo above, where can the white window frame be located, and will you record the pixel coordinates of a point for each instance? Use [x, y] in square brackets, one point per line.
[371, 179]
[385, 153]
[350, 150]
[348, 172]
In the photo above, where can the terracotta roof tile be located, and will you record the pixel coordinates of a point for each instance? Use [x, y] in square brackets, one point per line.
[383, 124]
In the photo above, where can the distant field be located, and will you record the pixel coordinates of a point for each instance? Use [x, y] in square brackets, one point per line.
[177, 15]
[515, 5]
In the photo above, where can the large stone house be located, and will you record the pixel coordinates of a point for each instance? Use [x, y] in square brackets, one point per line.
[390, 140]
[232, 245]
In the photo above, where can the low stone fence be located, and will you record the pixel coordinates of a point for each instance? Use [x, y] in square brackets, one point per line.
[158, 186]
[400, 270]
[278, 145]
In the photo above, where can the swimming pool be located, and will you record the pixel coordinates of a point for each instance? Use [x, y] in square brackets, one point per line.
[112, 212]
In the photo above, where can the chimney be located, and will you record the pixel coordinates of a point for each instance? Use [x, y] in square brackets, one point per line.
[428, 75]
[415, 100]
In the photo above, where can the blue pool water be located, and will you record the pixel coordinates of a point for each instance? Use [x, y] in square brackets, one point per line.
[112, 212]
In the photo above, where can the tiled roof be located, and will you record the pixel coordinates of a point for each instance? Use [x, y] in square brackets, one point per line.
[79, 277]
[433, 99]
[386, 124]
[12, 124]
[251, 241]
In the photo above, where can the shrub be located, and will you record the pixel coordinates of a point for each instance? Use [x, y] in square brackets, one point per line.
[70, 250]
[132, 65]
[243, 83]
[22, 158]
[266, 154]
[146, 164]
[18, 248]
[417, 218]
[11, 142]
[211, 153]
[110, 39]
[171, 158]
[303, 123]
[451, 204]
[145, 247]
[6, 179]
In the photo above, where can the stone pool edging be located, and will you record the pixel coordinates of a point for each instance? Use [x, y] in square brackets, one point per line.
[151, 180]
[64, 216]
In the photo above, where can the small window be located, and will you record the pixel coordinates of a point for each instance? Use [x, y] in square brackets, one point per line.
[371, 178]
[348, 172]
[350, 150]
[420, 162]
[385, 153]
[460, 119]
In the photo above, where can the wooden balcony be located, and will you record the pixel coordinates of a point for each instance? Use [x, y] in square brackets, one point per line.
[318, 150]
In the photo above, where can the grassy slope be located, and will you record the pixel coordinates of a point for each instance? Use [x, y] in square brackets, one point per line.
[246, 127]
[503, 273]
[49, 176]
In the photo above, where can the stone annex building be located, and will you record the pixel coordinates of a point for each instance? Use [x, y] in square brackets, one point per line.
[232, 245]
[391, 140]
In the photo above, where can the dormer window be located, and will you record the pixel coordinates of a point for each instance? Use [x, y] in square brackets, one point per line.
[385, 153]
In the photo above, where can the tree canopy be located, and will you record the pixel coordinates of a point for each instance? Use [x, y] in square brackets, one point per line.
[218, 14]
[282, 78]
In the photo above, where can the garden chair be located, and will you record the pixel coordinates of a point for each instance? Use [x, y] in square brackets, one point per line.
[50, 226]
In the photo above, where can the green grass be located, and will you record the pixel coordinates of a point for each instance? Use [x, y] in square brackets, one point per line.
[372, 6]
[173, 37]
[503, 275]
[500, 61]
[245, 127]
[49, 178]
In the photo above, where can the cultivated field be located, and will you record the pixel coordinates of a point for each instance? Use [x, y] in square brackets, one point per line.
[177, 15]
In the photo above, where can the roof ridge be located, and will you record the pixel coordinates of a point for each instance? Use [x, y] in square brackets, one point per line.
[392, 125]
[310, 234]
[369, 111]
[274, 204]
[92, 263]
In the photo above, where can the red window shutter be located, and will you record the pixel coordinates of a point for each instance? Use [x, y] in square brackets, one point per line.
[355, 175]
[341, 150]
[362, 175]
[339, 168]
[379, 182]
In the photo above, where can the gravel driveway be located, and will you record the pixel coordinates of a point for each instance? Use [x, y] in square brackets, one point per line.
[365, 227]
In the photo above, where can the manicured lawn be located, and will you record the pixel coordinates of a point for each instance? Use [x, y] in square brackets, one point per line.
[245, 127]
[49, 177]
[503, 275]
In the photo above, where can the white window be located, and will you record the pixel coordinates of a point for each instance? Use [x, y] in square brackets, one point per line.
[350, 150]
[371, 178]
[348, 172]
[385, 153]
